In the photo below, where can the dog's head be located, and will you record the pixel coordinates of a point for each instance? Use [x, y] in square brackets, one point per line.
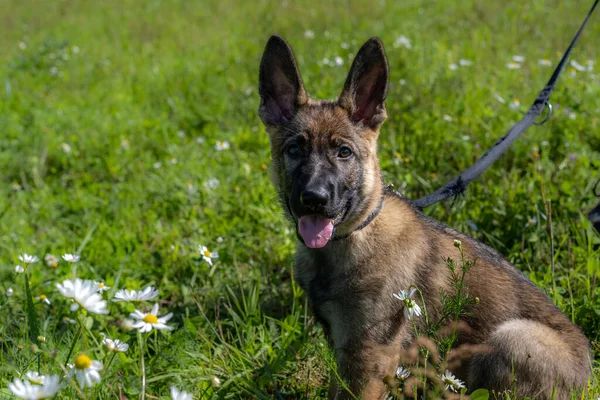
[324, 161]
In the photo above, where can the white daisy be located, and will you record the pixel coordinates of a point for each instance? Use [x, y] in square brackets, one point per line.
[465, 63]
[147, 321]
[131, 295]
[411, 309]
[453, 67]
[200, 140]
[115, 345]
[85, 295]
[339, 61]
[43, 298]
[402, 373]
[31, 391]
[577, 66]
[207, 255]
[513, 105]
[72, 258]
[86, 370]
[403, 41]
[51, 260]
[179, 395]
[222, 145]
[102, 287]
[157, 165]
[309, 35]
[545, 62]
[518, 59]
[212, 183]
[513, 65]
[28, 259]
[452, 382]
[35, 377]
[19, 269]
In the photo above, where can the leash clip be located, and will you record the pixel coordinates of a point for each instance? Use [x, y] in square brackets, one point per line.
[547, 117]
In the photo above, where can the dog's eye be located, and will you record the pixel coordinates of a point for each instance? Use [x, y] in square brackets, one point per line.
[344, 152]
[293, 150]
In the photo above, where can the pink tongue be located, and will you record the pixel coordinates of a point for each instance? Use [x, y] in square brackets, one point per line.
[315, 231]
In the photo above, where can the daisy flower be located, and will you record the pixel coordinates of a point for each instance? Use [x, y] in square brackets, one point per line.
[207, 255]
[32, 391]
[51, 260]
[451, 382]
[19, 269]
[72, 258]
[131, 295]
[35, 377]
[115, 345]
[86, 370]
[309, 35]
[146, 321]
[177, 395]
[43, 298]
[102, 287]
[222, 145]
[518, 59]
[545, 62]
[513, 105]
[402, 41]
[402, 373]
[513, 65]
[411, 309]
[28, 259]
[212, 183]
[85, 295]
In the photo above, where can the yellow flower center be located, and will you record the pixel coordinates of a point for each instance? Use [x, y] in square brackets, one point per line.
[151, 319]
[43, 297]
[101, 285]
[206, 253]
[82, 362]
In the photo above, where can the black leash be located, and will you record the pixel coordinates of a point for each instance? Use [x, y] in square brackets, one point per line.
[459, 184]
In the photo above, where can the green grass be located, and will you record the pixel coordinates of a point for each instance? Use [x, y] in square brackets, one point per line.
[147, 70]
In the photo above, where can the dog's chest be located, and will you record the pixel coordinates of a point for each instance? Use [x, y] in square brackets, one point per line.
[341, 299]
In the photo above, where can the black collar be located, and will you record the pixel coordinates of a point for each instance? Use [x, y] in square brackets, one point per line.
[366, 222]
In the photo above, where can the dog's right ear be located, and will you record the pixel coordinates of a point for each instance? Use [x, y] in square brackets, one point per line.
[279, 83]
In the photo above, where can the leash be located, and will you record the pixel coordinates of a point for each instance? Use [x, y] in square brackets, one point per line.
[594, 215]
[458, 185]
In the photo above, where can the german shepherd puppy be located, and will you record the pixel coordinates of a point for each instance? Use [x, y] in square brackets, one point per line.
[359, 244]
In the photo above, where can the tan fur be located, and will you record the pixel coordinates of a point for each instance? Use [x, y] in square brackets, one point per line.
[350, 283]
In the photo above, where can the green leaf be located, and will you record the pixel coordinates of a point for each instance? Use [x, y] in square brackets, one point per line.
[32, 321]
[480, 394]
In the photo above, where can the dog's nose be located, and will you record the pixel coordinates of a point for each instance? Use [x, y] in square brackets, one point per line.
[314, 198]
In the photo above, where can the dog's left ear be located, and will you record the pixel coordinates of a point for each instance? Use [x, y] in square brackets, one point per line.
[366, 87]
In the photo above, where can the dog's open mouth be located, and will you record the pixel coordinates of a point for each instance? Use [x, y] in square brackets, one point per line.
[316, 230]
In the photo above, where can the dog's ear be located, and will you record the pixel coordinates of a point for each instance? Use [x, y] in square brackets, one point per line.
[366, 87]
[280, 85]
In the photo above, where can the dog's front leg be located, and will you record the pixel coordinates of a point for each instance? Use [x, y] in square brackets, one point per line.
[363, 369]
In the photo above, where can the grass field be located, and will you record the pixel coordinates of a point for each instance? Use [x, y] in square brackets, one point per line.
[112, 116]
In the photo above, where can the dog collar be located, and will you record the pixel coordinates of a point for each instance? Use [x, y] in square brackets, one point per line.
[366, 222]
